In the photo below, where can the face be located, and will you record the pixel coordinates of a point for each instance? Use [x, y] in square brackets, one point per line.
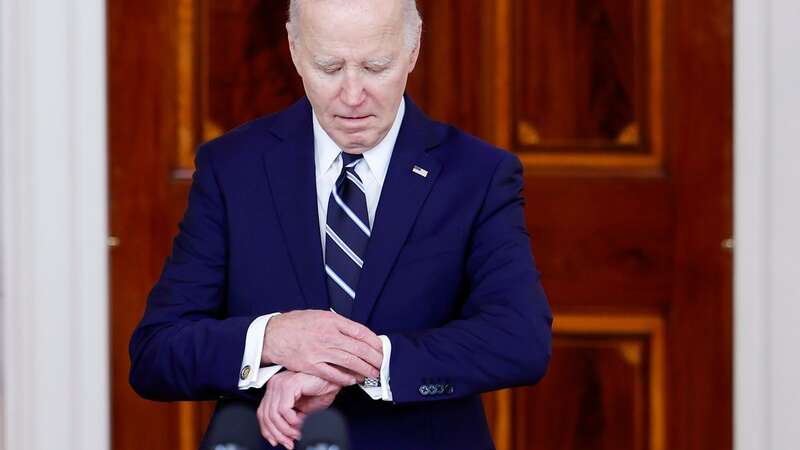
[354, 61]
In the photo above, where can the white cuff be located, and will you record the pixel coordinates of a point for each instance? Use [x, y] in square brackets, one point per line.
[251, 374]
[382, 392]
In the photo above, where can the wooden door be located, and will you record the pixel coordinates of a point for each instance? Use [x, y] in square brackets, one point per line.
[621, 113]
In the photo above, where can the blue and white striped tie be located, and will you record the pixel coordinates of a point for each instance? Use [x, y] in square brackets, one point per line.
[347, 232]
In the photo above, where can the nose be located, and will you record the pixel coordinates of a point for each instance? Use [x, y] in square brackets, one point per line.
[353, 93]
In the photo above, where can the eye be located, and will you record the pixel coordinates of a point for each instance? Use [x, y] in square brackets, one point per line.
[372, 69]
[331, 70]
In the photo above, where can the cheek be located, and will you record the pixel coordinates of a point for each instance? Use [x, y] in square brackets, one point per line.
[387, 90]
[321, 92]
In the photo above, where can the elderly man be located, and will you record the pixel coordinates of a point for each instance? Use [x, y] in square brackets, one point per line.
[349, 251]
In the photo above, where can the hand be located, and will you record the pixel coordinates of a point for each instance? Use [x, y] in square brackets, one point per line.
[324, 344]
[288, 398]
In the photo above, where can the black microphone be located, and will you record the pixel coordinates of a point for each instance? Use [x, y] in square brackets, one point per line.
[324, 430]
[233, 426]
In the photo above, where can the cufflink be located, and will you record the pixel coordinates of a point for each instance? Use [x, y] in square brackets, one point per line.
[245, 372]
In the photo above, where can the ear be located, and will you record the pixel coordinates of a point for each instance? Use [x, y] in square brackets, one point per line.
[293, 50]
[415, 52]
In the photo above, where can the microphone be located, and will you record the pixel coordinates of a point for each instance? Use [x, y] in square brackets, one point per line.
[233, 426]
[324, 430]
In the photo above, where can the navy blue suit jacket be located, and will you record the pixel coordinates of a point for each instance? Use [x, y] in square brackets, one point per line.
[449, 277]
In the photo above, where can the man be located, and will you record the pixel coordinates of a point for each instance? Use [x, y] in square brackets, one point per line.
[394, 247]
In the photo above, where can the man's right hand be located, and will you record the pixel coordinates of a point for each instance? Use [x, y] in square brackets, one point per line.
[289, 397]
[323, 344]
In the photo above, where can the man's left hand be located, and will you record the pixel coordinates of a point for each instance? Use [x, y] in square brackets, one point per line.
[288, 398]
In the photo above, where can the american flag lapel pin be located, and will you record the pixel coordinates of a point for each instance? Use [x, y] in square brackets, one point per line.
[420, 171]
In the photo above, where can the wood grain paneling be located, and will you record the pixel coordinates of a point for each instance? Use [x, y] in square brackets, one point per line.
[576, 65]
[246, 64]
[142, 141]
[445, 83]
[587, 87]
[593, 397]
[605, 388]
[700, 109]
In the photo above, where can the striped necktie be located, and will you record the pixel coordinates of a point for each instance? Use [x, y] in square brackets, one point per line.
[347, 232]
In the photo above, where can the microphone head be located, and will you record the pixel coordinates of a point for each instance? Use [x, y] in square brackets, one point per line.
[233, 426]
[324, 430]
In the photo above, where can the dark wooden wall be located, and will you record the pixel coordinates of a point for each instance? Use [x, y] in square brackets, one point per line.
[621, 113]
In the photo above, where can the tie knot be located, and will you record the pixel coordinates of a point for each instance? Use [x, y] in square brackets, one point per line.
[349, 159]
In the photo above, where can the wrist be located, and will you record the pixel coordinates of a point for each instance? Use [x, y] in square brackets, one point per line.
[267, 358]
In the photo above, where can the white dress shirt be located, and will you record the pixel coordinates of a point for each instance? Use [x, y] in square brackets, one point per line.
[328, 162]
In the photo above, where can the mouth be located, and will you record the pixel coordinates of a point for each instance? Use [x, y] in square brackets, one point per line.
[354, 118]
[354, 123]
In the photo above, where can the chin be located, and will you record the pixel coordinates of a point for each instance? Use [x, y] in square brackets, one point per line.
[355, 147]
[351, 142]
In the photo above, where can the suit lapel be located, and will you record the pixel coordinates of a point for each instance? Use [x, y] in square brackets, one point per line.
[401, 198]
[291, 174]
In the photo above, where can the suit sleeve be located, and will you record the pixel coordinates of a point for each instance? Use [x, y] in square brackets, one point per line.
[186, 347]
[502, 337]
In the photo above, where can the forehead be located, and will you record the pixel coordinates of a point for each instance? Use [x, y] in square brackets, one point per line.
[352, 28]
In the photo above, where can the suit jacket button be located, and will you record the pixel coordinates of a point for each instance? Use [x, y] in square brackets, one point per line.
[449, 389]
[245, 372]
[424, 389]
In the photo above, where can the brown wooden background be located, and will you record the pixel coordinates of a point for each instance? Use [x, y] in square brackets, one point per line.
[621, 112]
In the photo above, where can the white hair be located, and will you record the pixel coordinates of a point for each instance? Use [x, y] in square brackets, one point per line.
[412, 17]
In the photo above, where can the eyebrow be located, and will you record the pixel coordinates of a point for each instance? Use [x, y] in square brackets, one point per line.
[379, 62]
[327, 62]
[333, 61]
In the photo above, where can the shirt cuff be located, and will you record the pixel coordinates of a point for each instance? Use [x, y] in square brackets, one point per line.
[383, 391]
[251, 374]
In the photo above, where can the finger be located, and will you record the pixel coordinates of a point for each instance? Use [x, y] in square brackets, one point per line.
[359, 378]
[361, 350]
[273, 418]
[262, 424]
[279, 437]
[272, 392]
[286, 419]
[288, 434]
[358, 331]
[270, 426]
[351, 362]
[291, 418]
[332, 374]
[293, 421]
[289, 424]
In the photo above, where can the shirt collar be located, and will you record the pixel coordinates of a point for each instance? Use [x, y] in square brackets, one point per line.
[377, 158]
